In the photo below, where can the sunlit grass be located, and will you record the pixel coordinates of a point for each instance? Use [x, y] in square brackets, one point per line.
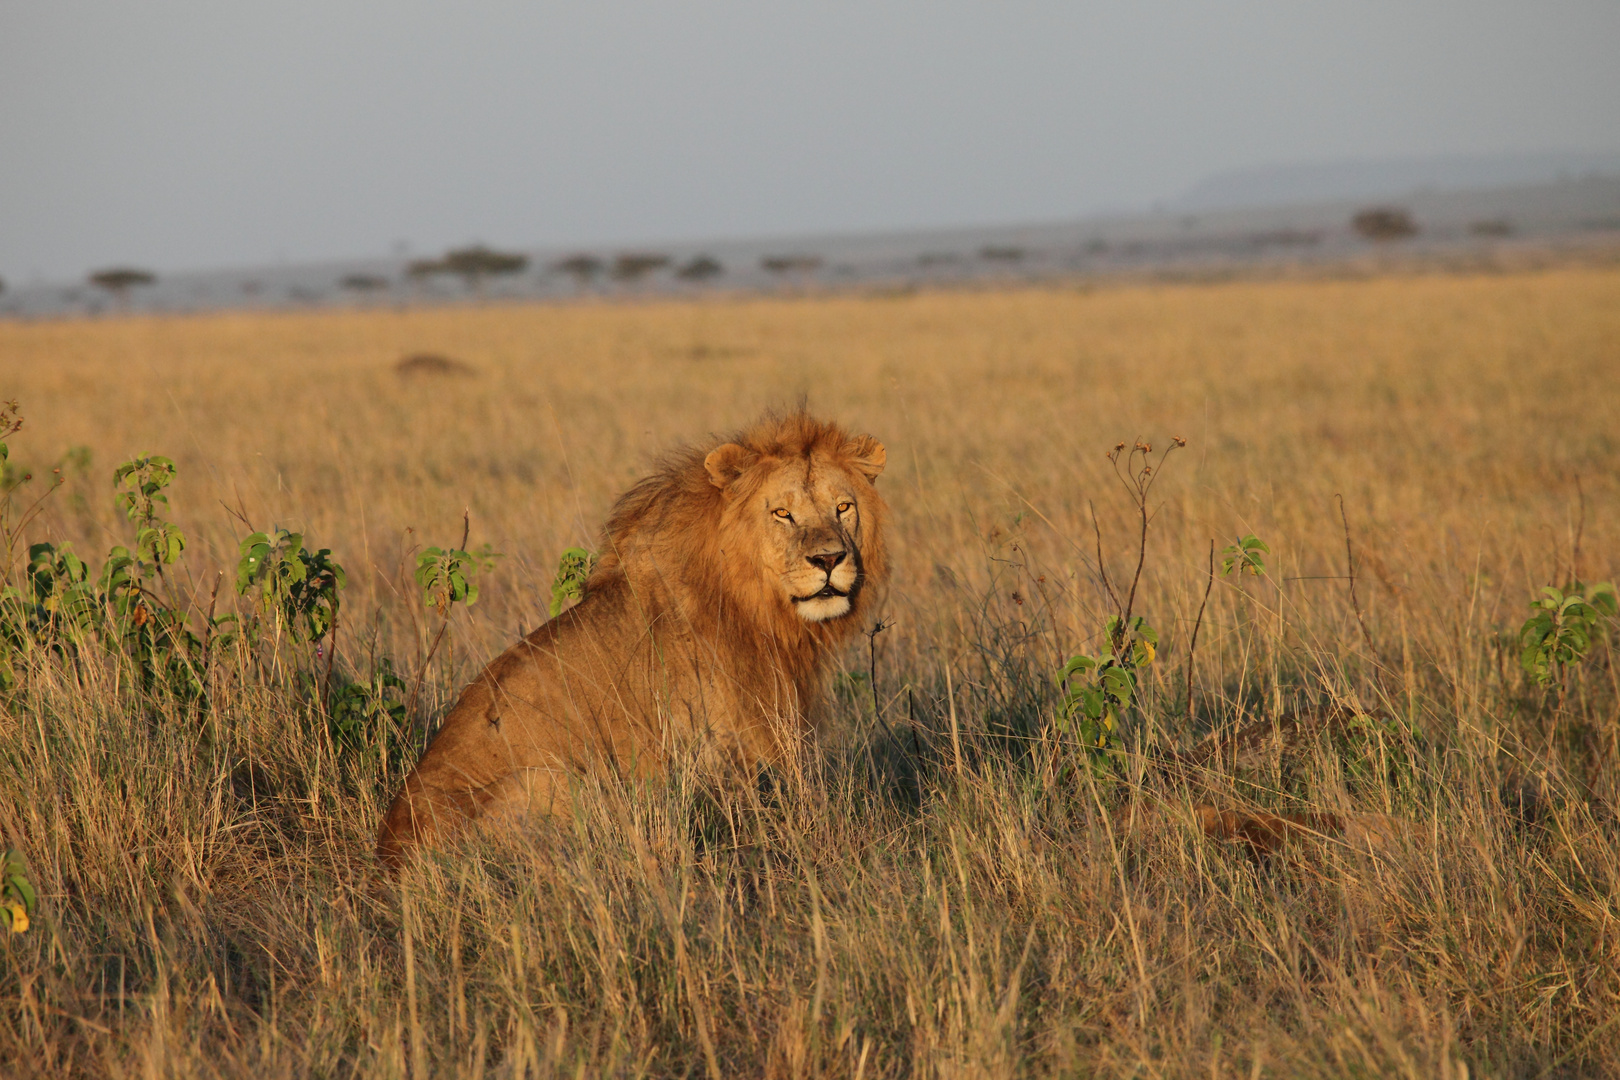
[209, 902]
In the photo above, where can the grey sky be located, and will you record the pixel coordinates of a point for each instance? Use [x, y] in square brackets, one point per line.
[209, 134]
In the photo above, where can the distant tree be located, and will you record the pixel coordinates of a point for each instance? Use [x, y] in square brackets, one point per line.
[789, 264]
[1492, 227]
[2, 286]
[479, 262]
[633, 266]
[471, 264]
[581, 267]
[700, 268]
[118, 280]
[1001, 254]
[1382, 223]
[364, 282]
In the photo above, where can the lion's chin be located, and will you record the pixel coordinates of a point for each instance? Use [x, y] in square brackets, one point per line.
[820, 608]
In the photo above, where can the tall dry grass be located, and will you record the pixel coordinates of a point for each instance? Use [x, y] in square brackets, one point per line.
[895, 908]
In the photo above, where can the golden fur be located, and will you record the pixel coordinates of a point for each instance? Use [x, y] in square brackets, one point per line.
[727, 580]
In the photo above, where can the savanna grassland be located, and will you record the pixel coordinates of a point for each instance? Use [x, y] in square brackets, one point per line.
[908, 902]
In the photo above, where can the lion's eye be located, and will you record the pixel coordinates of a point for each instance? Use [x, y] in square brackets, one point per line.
[783, 514]
[845, 507]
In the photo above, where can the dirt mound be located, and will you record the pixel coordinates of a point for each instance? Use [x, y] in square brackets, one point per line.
[432, 364]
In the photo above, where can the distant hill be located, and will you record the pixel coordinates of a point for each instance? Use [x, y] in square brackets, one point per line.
[1337, 181]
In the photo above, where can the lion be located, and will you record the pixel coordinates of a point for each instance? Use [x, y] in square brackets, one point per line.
[728, 580]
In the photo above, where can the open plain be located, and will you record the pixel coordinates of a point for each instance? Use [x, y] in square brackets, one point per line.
[950, 885]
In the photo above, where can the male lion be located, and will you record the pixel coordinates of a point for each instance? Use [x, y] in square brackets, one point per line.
[728, 578]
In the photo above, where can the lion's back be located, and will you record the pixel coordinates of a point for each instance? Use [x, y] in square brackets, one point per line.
[567, 692]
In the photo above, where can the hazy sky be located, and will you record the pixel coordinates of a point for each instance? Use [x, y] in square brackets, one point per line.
[184, 135]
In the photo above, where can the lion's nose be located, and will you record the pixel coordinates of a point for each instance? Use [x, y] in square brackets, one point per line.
[827, 560]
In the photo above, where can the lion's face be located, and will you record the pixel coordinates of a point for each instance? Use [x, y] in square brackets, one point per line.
[804, 519]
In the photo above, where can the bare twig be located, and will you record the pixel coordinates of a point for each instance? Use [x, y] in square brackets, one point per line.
[911, 722]
[1350, 571]
[398, 575]
[445, 607]
[871, 648]
[1138, 483]
[416, 689]
[1141, 561]
[1102, 568]
[37, 506]
[1192, 646]
[208, 629]
[331, 655]
[238, 512]
[956, 737]
[877, 708]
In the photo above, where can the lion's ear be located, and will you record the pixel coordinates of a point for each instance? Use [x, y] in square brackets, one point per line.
[725, 463]
[867, 455]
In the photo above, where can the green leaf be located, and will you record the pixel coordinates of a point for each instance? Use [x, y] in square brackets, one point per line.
[14, 883]
[1561, 629]
[1078, 665]
[1245, 556]
[254, 549]
[573, 568]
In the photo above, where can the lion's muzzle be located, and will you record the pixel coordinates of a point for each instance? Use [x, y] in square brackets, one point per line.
[842, 578]
[825, 591]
